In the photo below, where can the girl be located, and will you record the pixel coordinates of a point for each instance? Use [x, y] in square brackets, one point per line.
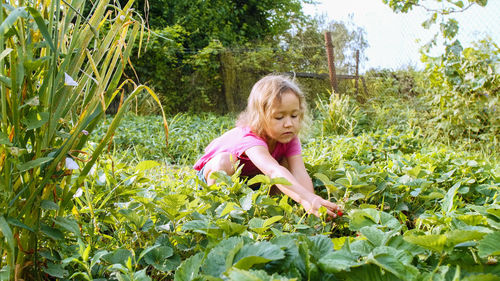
[265, 141]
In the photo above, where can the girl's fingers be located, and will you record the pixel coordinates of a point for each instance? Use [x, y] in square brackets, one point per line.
[331, 206]
[331, 214]
[332, 209]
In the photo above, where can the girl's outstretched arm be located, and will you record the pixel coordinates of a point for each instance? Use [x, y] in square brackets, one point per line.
[298, 170]
[301, 194]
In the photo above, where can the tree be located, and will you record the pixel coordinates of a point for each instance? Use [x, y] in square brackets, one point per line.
[438, 9]
[231, 22]
[464, 82]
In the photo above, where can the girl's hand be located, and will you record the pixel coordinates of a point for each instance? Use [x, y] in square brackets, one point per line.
[313, 202]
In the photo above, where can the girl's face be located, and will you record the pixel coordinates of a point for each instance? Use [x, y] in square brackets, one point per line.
[284, 123]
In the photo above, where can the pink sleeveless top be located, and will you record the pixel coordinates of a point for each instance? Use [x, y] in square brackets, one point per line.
[237, 140]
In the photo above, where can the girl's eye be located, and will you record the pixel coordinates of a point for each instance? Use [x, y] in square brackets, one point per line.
[278, 117]
[294, 116]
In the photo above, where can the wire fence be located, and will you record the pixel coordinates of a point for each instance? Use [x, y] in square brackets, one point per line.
[233, 70]
[395, 43]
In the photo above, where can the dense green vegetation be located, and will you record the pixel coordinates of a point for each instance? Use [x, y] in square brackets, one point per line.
[416, 208]
[414, 161]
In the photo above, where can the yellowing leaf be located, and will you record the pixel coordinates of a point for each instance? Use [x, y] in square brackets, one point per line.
[434, 242]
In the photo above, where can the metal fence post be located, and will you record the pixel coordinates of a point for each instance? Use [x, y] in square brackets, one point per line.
[331, 60]
[357, 72]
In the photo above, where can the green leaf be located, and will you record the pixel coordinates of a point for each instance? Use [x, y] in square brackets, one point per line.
[389, 221]
[430, 21]
[481, 277]
[459, 4]
[5, 53]
[254, 275]
[159, 258]
[293, 258]
[55, 270]
[434, 242]
[6, 81]
[246, 201]
[172, 203]
[320, 246]
[481, 3]
[4, 139]
[118, 256]
[473, 219]
[11, 19]
[33, 163]
[42, 27]
[494, 211]
[376, 236]
[221, 257]
[7, 233]
[284, 204]
[361, 247]
[228, 208]
[255, 223]
[53, 233]
[189, 269]
[280, 180]
[447, 202]
[97, 257]
[230, 228]
[268, 222]
[35, 120]
[364, 217]
[260, 252]
[146, 165]
[15, 222]
[489, 245]
[69, 224]
[323, 178]
[393, 265]
[86, 253]
[49, 205]
[259, 179]
[200, 226]
[163, 257]
[260, 226]
[137, 220]
[458, 236]
[338, 261]
[141, 275]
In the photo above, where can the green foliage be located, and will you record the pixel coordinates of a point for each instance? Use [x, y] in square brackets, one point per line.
[230, 22]
[413, 210]
[465, 92]
[192, 79]
[339, 114]
[140, 137]
[58, 74]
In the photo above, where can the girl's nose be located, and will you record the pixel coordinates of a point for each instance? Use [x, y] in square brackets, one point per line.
[288, 122]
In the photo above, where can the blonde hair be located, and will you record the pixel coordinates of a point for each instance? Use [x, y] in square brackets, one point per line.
[266, 94]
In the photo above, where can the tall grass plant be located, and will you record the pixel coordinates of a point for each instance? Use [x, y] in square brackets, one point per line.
[59, 72]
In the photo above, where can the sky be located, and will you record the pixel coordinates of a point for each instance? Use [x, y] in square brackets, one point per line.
[394, 39]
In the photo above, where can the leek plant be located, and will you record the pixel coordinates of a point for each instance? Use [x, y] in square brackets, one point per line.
[59, 71]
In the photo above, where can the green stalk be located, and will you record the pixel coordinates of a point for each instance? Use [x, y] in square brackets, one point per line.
[70, 110]
[3, 89]
[52, 119]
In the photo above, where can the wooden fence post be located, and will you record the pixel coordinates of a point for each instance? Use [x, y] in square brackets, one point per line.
[331, 60]
[228, 73]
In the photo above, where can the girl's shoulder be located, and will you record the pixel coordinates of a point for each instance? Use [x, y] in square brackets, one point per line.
[239, 133]
[243, 131]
